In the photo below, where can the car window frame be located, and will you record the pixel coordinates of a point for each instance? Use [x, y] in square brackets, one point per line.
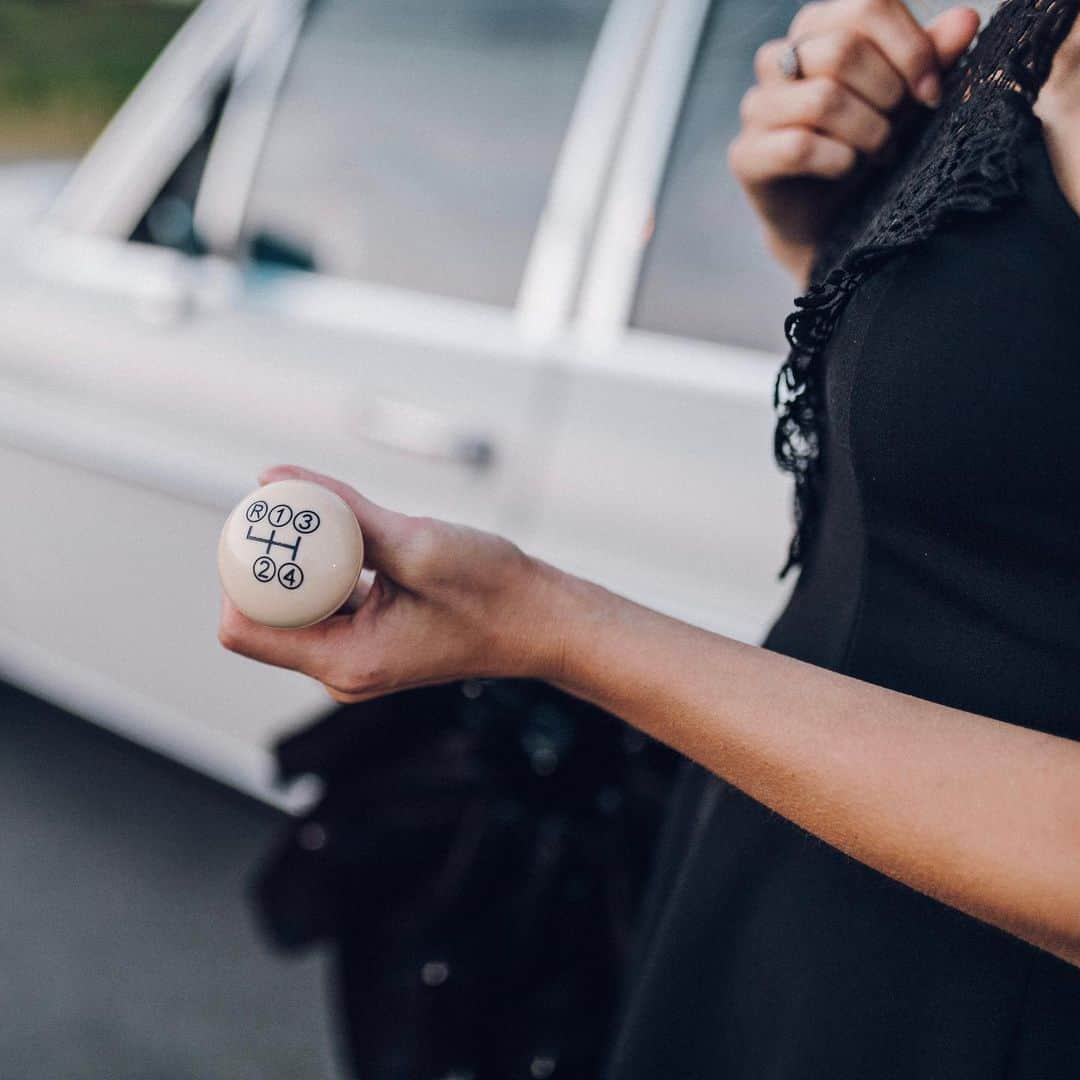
[614, 269]
[604, 334]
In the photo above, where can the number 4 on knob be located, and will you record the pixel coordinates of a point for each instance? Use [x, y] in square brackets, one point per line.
[291, 576]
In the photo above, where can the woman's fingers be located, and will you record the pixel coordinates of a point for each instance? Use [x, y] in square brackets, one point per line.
[843, 55]
[758, 156]
[952, 32]
[859, 61]
[344, 652]
[849, 52]
[821, 103]
[890, 26]
[313, 650]
[445, 602]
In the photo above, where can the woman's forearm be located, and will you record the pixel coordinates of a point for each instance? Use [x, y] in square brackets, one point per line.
[980, 814]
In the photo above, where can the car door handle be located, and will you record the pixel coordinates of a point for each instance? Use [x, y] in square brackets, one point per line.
[422, 433]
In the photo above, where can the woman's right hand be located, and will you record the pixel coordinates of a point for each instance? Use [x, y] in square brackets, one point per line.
[447, 603]
[803, 142]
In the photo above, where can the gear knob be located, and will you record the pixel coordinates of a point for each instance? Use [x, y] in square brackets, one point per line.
[290, 554]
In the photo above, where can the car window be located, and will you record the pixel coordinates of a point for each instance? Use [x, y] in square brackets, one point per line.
[414, 143]
[706, 273]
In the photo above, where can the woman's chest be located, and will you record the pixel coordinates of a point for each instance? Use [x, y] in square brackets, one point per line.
[954, 375]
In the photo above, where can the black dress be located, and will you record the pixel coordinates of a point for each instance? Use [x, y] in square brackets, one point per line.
[944, 563]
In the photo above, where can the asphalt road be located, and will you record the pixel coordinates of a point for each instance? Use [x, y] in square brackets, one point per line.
[127, 949]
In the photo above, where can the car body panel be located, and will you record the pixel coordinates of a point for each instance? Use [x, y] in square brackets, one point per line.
[660, 483]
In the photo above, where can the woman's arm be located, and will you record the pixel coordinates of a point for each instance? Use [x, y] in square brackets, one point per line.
[977, 813]
[980, 814]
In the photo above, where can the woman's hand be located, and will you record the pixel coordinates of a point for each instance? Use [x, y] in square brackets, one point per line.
[447, 603]
[804, 142]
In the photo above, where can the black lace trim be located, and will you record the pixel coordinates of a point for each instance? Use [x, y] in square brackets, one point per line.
[966, 160]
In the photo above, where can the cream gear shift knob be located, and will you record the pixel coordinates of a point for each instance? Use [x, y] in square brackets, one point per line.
[290, 554]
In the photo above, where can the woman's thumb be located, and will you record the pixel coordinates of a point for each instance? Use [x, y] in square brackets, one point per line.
[952, 32]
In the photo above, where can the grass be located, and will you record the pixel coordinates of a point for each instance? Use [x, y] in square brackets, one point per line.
[66, 65]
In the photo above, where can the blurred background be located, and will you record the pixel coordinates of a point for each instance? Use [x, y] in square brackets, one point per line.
[66, 67]
[480, 258]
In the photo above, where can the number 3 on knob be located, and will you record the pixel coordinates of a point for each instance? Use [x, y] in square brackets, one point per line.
[307, 521]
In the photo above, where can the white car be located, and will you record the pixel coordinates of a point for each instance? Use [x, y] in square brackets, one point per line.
[482, 260]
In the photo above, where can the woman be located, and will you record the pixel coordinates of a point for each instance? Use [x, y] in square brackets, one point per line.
[873, 869]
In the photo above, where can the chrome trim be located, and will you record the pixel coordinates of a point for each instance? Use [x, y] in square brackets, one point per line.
[147, 138]
[553, 271]
[628, 215]
[234, 156]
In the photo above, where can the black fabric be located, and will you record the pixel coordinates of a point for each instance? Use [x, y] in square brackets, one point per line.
[476, 865]
[946, 565]
[963, 159]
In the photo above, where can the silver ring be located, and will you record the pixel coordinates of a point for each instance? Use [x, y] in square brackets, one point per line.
[789, 63]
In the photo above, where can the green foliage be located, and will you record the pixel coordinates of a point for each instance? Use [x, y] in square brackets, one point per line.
[66, 65]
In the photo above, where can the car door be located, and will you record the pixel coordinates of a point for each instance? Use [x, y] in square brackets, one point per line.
[359, 255]
[661, 483]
